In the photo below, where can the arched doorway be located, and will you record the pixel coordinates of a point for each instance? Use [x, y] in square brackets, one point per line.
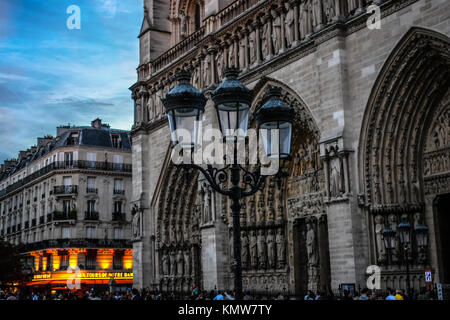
[396, 145]
[178, 241]
[284, 230]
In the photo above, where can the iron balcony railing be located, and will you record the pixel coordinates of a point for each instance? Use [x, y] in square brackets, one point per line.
[77, 243]
[61, 190]
[118, 216]
[91, 190]
[119, 191]
[67, 165]
[60, 215]
[91, 215]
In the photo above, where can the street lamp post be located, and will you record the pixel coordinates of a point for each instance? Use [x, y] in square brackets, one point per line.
[185, 106]
[404, 229]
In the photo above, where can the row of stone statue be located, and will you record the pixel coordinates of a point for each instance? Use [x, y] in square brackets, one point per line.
[394, 255]
[177, 261]
[263, 249]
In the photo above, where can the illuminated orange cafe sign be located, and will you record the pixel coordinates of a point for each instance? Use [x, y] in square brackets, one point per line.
[83, 275]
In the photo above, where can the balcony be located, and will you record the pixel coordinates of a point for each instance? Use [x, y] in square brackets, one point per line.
[65, 190]
[91, 215]
[118, 216]
[58, 165]
[77, 243]
[60, 215]
[118, 191]
[91, 190]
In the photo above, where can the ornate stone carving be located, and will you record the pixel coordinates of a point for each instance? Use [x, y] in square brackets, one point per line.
[276, 31]
[379, 227]
[305, 19]
[253, 250]
[281, 248]
[289, 24]
[245, 250]
[136, 213]
[317, 14]
[271, 249]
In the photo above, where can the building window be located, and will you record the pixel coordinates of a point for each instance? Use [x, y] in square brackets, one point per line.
[66, 206]
[116, 142]
[65, 232]
[117, 233]
[90, 185]
[118, 162]
[118, 186]
[91, 159]
[118, 206]
[118, 260]
[91, 206]
[68, 158]
[91, 259]
[64, 261]
[89, 232]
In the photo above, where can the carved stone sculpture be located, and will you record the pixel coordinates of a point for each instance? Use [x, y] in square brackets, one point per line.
[265, 38]
[276, 32]
[379, 226]
[252, 46]
[317, 14]
[392, 219]
[305, 19]
[289, 25]
[242, 52]
[165, 263]
[187, 262]
[207, 71]
[271, 249]
[180, 263]
[173, 263]
[244, 250]
[311, 245]
[281, 248]
[262, 249]
[253, 249]
[352, 5]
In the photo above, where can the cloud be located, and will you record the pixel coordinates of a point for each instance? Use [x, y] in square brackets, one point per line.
[108, 7]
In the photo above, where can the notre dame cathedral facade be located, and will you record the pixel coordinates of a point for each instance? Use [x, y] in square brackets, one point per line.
[370, 145]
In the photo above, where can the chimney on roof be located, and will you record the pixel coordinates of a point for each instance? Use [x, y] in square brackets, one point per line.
[22, 154]
[61, 129]
[97, 123]
[44, 140]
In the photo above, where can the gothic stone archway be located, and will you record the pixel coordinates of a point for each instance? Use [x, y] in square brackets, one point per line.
[279, 254]
[403, 153]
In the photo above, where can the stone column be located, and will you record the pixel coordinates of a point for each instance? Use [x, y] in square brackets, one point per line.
[214, 255]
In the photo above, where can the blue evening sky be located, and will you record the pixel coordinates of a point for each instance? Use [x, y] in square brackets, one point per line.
[51, 76]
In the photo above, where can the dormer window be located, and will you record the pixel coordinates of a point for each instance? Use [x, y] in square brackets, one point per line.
[73, 139]
[116, 141]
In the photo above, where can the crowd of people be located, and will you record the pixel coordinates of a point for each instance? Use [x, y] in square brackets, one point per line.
[196, 294]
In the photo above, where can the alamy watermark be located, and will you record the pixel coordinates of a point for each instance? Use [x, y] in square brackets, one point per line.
[74, 20]
[374, 21]
[74, 281]
[374, 280]
[212, 149]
